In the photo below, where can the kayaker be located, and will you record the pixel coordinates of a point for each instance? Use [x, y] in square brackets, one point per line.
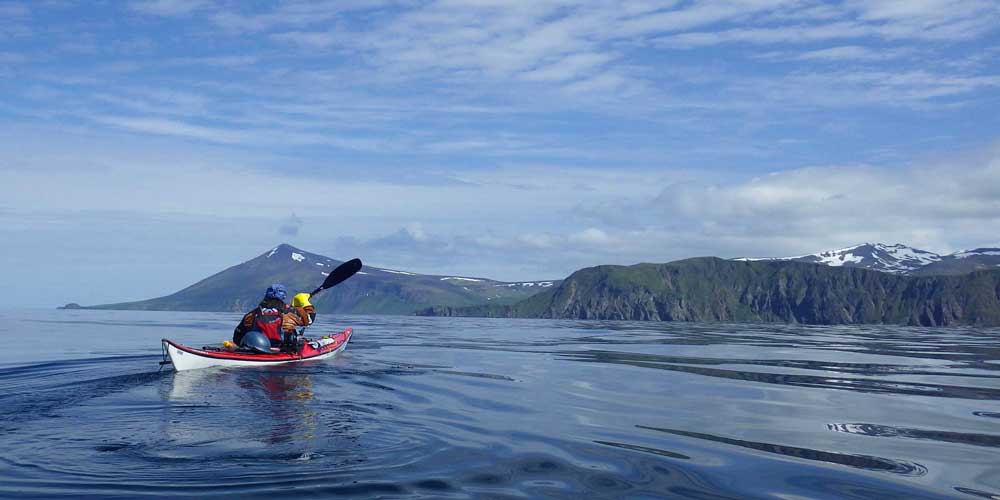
[275, 319]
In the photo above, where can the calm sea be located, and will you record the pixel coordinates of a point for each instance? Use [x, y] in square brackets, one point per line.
[477, 408]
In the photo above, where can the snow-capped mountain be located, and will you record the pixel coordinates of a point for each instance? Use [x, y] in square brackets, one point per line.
[900, 259]
[963, 261]
[374, 290]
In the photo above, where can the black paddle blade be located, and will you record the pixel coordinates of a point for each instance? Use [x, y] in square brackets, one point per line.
[338, 275]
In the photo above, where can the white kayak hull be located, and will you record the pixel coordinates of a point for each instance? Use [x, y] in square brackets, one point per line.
[186, 358]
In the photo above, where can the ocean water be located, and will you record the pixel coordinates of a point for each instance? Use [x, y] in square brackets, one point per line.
[490, 408]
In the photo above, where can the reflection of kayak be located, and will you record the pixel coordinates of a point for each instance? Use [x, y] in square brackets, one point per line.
[189, 358]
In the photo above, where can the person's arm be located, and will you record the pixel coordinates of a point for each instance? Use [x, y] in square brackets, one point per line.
[310, 314]
[293, 318]
[243, 327]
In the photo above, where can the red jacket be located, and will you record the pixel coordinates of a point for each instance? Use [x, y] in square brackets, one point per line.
[291, 318]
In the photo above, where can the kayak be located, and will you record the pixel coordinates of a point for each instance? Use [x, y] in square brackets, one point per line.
[189, 358]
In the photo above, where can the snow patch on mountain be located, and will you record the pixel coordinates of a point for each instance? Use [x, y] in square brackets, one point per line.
[838, 258]
[395, 272]
[297, 257]
[905, 253]
[962, 254]
[540, 284]
[457, 278]
[895, 259]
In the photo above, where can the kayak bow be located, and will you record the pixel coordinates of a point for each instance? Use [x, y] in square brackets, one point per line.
[189, 358]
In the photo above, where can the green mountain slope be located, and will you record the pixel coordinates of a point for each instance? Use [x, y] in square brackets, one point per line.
[371, 291]
[711, 289]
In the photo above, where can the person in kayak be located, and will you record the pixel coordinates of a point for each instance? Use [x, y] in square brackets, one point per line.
[275, 319]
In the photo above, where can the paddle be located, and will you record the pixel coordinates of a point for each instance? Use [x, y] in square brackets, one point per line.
[338, 275]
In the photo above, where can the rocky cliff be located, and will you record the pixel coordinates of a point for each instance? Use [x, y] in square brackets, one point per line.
[711, 289]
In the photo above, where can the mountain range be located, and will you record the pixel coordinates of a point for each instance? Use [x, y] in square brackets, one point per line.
[868, 283]
[373, 290]
[900, 259]
[773, 290]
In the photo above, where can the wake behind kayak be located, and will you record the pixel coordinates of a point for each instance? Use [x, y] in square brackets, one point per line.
[188, 358]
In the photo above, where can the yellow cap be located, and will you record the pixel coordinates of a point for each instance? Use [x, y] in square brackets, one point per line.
[301, 300]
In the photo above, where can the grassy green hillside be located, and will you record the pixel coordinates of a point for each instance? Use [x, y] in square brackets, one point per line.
[710, 289]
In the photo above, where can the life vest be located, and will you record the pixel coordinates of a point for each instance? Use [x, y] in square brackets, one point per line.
[268, 321]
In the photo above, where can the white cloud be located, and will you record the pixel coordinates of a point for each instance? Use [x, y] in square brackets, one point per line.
[400, 65]
[290, 226]
[87, 172]
[14, 21]
[525, 221]
[942, 205]
[510, 257]
[537, 240]
[590, 236]
[888, 20]
[568, 67]
[783, 34]
[926, 13]
[13, 10]
[839, 53]
[605, 82]
[416, 232]
[11, 58]
[695, 15]
[313, 39]
[227, 61]
[838, 88]
[241, 134]
[294, 13]
[168, 7]
[175, 128]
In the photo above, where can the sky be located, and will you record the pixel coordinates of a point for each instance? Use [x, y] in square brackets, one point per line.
[145, 145]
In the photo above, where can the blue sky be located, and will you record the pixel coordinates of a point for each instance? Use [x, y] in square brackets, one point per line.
[147, 144]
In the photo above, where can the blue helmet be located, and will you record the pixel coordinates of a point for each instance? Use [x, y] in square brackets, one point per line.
[276, 291]
[257, 341]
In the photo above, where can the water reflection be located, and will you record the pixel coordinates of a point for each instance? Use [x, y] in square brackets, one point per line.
[875, 430]
[851, 460]
[695, 365]
[274, 403]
